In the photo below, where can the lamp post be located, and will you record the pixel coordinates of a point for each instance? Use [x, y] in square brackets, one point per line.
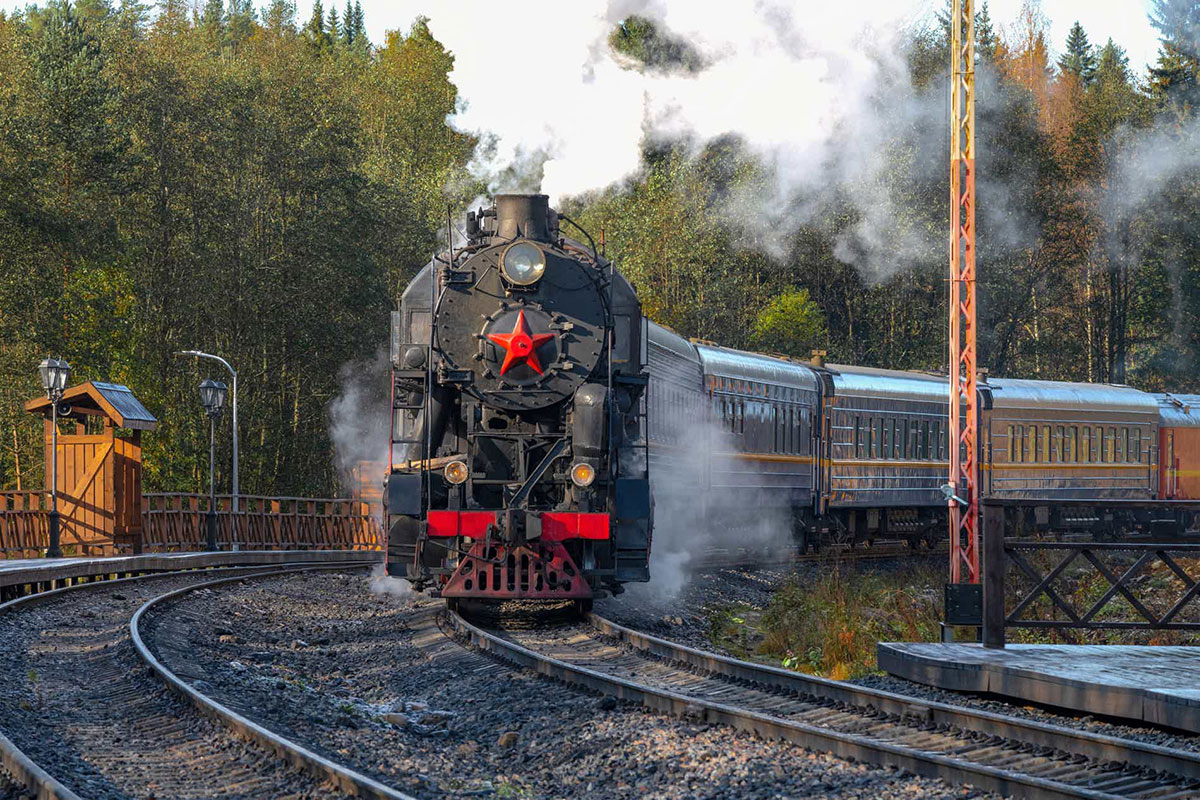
[234, 488]
[212, 395]
[54, 373]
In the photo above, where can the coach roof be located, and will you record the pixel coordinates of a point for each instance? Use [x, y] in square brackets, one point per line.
[894, 384]
[754, 367]
[1029, 394]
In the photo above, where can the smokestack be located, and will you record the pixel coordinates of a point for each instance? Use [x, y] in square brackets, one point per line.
[818, 358]
[525, 215]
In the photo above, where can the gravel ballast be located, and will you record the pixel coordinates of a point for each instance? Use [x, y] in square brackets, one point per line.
[371, 680]
[77, 700]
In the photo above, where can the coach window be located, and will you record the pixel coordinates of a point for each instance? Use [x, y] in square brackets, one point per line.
[886, 448]
[1058, 453]
[1135, 445]
[1111, 441]
[1121, 444]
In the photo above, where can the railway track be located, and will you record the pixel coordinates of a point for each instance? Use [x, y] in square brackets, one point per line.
[82, 716]
[1008, 755]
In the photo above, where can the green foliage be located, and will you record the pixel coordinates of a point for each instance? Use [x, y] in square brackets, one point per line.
[1078, 60]
[215, 183]
[791, 324]
[829, 625]
[641, 40]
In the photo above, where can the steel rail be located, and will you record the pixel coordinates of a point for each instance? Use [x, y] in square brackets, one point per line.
[347, 780]
[24, 769]
[1097, 746]
[859, 746]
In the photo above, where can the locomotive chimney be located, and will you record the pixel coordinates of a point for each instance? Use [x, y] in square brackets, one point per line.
[526, 215]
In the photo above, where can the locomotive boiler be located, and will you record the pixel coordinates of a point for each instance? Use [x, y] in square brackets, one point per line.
[518, 460]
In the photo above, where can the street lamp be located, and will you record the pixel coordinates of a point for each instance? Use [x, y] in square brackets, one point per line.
[212, 395]
[234, 489]
[54, 373]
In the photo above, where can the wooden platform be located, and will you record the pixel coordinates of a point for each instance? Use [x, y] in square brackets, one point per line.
[23, 571]
[1155, 685]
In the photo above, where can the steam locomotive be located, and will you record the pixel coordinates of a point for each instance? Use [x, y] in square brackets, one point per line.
[518, 451]
[532, 404]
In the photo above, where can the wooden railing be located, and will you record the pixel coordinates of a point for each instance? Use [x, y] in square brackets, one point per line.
[173, 522]
[24, 524]
[176, 522]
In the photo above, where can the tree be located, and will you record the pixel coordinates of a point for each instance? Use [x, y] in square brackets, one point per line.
[332, 29]
[985, 34]
[314, 29]
[791, 324]
[1078, 60]
[1175, 79]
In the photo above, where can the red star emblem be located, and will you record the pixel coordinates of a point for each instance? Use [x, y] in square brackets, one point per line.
[520, 346]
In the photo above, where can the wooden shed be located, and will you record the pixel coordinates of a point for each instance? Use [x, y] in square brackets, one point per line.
[99, 470]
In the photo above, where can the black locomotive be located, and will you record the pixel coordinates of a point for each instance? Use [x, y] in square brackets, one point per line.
[518, 461]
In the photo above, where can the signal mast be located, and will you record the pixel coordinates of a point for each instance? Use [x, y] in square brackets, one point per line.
[963, 494]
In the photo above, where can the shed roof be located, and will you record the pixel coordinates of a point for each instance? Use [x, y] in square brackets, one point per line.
[111, 400]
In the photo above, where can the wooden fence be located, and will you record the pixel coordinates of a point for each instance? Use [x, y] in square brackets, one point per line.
[24, 524]
[176, 523]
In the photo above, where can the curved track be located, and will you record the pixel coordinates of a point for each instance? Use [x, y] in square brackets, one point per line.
[352, 783]
[991, 751]
[82, 717]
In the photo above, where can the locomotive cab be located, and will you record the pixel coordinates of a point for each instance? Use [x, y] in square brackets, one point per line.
[518, 458]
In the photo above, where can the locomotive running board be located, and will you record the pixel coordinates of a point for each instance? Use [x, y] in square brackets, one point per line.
[534, 571]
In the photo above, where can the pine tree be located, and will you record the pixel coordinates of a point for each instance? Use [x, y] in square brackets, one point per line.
[1175, 79]
[332, 29]
[280, 15]
[360, 26]
[985, 34]
[1114, 64]
[348, 31]
[241, 18]
[314, 29]
[1079, 59]
[212, 18]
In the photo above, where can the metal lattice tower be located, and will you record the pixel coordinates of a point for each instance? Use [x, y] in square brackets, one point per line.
[964, 416]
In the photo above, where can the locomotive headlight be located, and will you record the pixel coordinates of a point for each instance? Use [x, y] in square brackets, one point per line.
[455, 472]
[523, 263]
[583, 474]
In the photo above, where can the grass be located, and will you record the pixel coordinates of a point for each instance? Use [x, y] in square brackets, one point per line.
[829, 625]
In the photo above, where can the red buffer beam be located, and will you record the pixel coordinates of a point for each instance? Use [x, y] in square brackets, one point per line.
[964, 412]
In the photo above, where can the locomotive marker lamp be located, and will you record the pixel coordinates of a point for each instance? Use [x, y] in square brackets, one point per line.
[455, 473]
[523, 263]
[212, 396]
[54, 373]
[583, 474]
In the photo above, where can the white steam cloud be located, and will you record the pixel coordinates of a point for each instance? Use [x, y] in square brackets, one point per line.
[358, 424]
[725, 519]
[813, 93]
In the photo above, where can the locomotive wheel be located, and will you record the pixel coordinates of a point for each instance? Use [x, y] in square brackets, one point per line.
[581, 608]
[452, 605]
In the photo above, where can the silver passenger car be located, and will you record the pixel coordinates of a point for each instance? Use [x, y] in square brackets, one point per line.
[1050, 440]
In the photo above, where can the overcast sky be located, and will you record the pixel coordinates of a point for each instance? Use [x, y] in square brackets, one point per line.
[1124, 20]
